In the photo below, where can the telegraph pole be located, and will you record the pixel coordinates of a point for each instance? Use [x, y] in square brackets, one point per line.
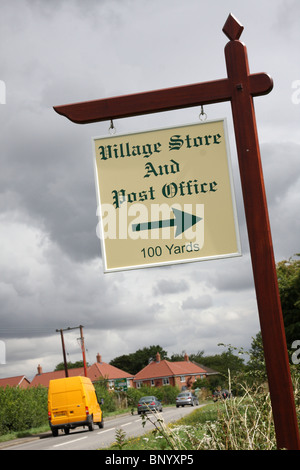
[82, 348]
[64, 352]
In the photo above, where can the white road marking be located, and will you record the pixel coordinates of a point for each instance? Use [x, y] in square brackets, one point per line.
[69, 442]
[112, 429]
[106, 430]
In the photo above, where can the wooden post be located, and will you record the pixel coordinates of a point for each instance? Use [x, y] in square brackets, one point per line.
[240, 87]
[83, 350]
[260, 240]
[64, 352]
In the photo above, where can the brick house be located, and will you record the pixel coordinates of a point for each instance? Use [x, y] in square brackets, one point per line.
[162, 372]
[18, 381]
[97, 371]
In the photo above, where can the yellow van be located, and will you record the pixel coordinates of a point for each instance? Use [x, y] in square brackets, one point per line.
[72, 402]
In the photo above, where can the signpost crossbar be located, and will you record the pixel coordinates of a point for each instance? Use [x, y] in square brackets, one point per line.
[161, 100]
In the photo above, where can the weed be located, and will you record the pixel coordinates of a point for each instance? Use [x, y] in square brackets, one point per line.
[120, 438]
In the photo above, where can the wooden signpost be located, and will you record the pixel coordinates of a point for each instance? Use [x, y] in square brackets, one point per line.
[239, 88]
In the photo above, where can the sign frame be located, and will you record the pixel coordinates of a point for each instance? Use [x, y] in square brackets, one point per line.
[180, 199]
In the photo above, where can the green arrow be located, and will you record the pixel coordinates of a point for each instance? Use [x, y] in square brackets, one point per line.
[183, 221]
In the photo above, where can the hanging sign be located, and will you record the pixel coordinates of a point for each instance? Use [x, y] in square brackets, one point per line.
[165, 196]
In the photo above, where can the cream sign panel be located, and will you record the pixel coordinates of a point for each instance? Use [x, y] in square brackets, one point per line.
[165, 196]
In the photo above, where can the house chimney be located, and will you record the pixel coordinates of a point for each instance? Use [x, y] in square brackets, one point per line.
[186, 357]
[39, 369]
[99, 359]
[157, 357]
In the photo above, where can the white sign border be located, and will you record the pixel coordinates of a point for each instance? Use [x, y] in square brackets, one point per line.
[168, 263]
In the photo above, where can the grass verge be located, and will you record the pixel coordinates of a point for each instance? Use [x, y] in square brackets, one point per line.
[183, 434]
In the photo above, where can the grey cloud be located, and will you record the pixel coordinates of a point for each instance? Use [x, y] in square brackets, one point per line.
[165, 286]
[200, 303]
[236, 276]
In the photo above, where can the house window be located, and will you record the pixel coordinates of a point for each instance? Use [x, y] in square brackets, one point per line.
[166, 381]
[111, 384]
[182, 378]
[139, 384]
[152, 383]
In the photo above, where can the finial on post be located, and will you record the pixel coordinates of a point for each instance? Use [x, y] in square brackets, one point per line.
[232, 28]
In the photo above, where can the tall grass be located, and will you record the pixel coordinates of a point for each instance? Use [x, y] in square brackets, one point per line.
[240, 423]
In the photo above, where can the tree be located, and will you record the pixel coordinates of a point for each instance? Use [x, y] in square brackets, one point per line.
[256, 366]
[134, 362]
[70, 365]
[225, 361]
[288, 274]
[193, 357]
[124, 362]
[256, 353]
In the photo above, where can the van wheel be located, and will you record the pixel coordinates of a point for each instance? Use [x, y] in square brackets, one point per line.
[67, 431]
[54, 432]
[91, 425]
[101, 424]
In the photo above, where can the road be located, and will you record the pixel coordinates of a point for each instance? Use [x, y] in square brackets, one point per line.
[82, 439]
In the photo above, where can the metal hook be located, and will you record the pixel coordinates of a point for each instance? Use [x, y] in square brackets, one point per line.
[112, 130]
[202, 115]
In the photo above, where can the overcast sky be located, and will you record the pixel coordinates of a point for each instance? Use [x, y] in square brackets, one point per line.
[51, 277]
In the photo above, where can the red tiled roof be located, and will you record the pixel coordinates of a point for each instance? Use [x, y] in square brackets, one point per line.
[18, 381]
[107, 372]
[166, 368]
[44, 378]
[94, 372]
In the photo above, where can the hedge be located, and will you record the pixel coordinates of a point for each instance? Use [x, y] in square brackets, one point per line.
[22, 409]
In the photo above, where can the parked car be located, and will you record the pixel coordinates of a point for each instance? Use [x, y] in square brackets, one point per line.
[186, 398]
[150, 403]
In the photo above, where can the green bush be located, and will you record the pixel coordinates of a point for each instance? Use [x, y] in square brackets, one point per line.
[166, 394]
[133, 396]
[22, 409]
[109, 397]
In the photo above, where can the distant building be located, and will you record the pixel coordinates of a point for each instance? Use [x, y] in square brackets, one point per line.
[162, 372]
[18, 381]
[98, 371]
